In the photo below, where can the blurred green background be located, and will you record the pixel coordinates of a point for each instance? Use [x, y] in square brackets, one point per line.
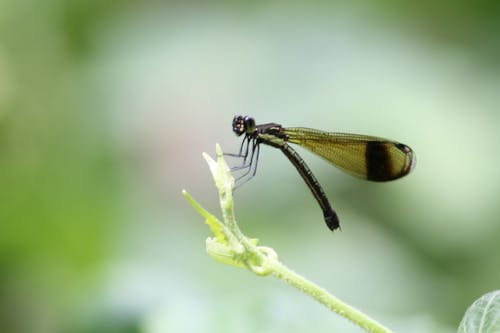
[106, 106]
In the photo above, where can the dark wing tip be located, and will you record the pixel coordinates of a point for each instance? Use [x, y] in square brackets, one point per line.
[388, 160]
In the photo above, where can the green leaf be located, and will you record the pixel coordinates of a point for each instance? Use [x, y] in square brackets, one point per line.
[483, 316]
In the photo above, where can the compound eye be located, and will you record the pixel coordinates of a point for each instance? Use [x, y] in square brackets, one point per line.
[239, 125]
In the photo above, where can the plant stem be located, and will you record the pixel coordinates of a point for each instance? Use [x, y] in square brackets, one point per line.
[321, 295]
[232, 247]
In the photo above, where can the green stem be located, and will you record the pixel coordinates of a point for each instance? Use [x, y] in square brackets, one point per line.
[321, 295]
[232, 247]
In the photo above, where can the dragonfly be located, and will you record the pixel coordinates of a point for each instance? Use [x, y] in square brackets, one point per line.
[366, 157]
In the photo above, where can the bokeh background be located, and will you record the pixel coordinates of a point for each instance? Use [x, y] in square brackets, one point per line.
[106, 106]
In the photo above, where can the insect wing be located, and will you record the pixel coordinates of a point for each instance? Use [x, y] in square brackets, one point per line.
[363, 156]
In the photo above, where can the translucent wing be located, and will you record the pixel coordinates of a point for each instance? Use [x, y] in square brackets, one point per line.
[363, 156]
